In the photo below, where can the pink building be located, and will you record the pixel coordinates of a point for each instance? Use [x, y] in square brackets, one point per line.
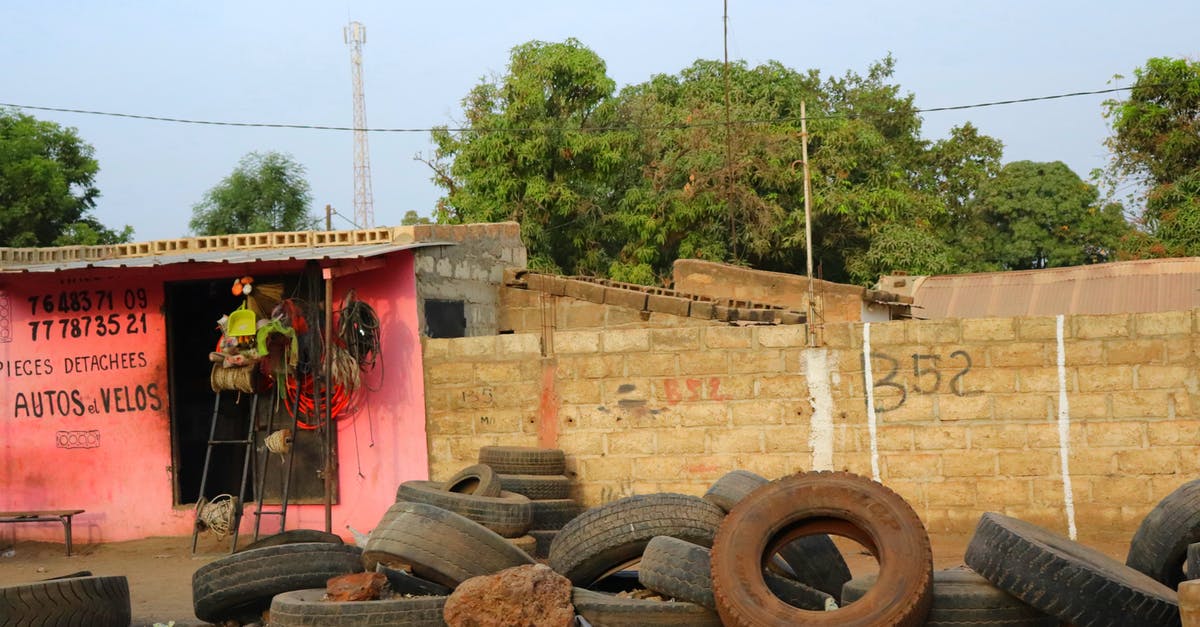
[105, 398]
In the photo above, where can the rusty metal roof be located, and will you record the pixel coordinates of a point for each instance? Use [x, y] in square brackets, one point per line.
[1117, 287]
[282, 253]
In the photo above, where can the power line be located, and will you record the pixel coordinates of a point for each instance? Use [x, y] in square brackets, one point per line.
[745, 122]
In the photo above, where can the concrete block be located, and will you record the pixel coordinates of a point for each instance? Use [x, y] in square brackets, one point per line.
[627, 298]
[701, 309]
[673, 305]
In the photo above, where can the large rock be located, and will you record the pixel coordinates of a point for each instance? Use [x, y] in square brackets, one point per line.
[532, 595]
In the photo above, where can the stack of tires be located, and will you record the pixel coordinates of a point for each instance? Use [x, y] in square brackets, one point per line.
[477, 494]
[538, 474]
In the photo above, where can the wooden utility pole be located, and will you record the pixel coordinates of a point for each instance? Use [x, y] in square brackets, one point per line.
[328, 217]
[809, 317]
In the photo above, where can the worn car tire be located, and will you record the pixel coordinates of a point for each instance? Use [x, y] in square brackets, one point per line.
[526, 543]
[1065, 579]
[523, 460]
[404, 582]
[1159, 546]
[438, 545]
[1192, 570]
[509, 515]
[608, 610]
[99, 601]
[682, 570]
[479, 480]
[241, 585]
[305, 608]
[823, 502]
[293, 536]
[544, 539]
[814, 560]
[605, 538]
[553, 514]
[537, 487]
[962, 597]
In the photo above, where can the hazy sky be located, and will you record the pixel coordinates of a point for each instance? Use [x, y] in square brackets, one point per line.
[285, 62]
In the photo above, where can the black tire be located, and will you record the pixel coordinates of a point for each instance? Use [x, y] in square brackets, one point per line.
[1159, 546]
[92, 601]
[537, 487]
[607, 537]
[523, 460]
[241, 585]
[607, 610]
[1065, 579]
[403, 582]
[439, 545]
[305, 608]
[293, 536]
[1193, 561]
[813, 560]
[682, 570]
[963, 597]
[479, 480]
[509, 515]
[544, 540]
[553, 514]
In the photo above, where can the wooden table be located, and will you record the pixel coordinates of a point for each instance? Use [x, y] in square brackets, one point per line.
[48, 515]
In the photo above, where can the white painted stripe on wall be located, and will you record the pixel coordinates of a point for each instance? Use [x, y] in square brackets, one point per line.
[1064, 431]
[869, 381]
[820, 433]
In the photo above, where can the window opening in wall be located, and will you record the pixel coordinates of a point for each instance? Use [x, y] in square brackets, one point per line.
[445, 318]
[192, 311]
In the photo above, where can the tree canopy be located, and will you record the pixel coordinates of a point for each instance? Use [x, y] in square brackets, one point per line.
[47, 186]
[266, 192]
[1155, 144]
[707, 163]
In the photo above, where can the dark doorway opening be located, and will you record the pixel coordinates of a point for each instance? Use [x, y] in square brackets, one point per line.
[445, 318]
[192, 311]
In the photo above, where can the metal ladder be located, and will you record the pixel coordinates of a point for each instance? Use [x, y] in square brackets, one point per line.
[248, 442]
[286, 469]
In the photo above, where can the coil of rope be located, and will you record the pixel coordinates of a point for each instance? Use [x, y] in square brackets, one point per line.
[216, 515]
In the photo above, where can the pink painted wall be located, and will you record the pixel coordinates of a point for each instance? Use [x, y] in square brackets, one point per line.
[85, 414]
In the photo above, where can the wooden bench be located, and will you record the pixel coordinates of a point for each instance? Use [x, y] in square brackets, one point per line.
[49, 515]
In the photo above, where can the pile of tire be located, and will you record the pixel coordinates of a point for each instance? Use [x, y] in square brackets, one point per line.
[78, 599]
[539, 475]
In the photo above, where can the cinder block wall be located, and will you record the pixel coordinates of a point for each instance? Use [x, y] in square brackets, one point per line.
[525, 311]
[470, 269]
[966, 412]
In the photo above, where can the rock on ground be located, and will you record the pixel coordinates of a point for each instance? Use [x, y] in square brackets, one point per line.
[532, 595]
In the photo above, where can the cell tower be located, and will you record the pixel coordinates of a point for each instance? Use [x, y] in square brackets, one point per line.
[355, 35]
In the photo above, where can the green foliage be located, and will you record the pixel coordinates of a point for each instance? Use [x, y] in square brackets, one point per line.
[47, 186]
[412, 217]
[1041, 215]
[1156, 145]
[265, 192]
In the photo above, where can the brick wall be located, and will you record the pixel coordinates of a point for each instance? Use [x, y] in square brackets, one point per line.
[470, 270]
[966, 412]
[523, 311]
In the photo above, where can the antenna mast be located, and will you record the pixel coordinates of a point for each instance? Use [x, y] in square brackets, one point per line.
[355, 35]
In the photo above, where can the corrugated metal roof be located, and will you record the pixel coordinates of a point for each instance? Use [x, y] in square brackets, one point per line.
[1118, 287]
[299, 253]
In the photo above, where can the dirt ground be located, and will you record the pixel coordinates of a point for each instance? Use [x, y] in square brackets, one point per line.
[160, 569]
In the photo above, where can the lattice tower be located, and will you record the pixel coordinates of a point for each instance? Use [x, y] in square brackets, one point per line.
[355, 35]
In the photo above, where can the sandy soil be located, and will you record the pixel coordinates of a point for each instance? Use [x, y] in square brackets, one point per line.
[160, 569]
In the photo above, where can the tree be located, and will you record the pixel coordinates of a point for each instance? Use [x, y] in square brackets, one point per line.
[1042, 215]
[1155, 144]
[412, 217]
[47, 186]
[265, 192]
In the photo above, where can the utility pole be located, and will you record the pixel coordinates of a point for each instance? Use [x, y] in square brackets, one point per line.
[355, 35]
[328, 217]
[810, 318]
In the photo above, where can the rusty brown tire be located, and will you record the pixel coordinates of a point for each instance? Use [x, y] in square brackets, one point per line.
[438, 545]
[836, 503]
[508, 514]
[479, 480]
[307, 608]
[523, 460]
[961, 598]
[814, 561]
[1160, 544]
[1065, 579]
[609, 610]
[92, 601]
[604, 539]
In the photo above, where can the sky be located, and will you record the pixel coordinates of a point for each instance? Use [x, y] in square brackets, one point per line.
[273, 61]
